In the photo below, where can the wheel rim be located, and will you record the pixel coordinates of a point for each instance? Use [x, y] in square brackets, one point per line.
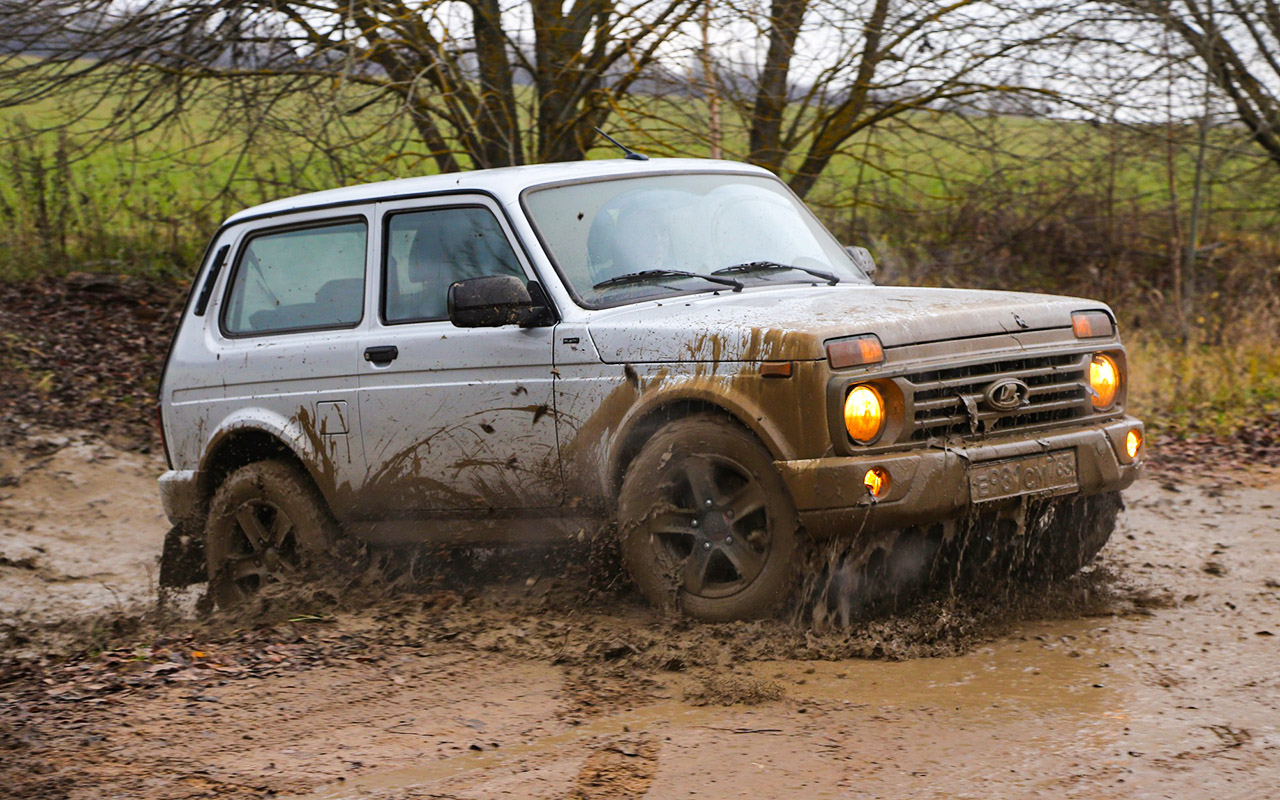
[263, 547]
[713, 526]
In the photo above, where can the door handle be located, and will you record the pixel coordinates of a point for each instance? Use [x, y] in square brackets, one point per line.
[382, 355]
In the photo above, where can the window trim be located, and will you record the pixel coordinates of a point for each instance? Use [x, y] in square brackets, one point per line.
[385, 254]
[248, 238]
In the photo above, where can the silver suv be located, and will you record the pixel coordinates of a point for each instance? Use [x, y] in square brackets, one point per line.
[675, 346]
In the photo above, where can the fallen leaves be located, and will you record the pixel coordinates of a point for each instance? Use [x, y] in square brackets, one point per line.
[1256, 443]
[85, 353]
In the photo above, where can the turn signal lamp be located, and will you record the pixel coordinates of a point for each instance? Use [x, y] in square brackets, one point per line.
[856, 352]
[1092, 324]
[864, 414]
[1104, 377]
[1133, 443]
[877, 482]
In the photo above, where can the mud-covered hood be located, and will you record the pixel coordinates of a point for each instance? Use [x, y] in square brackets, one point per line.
[792, 323]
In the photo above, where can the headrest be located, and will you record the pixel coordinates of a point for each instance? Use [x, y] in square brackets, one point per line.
[428, 255]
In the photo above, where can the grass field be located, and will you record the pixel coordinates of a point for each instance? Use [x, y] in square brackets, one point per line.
[943, 199]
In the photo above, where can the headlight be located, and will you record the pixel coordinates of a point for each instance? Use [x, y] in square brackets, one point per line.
[1104, 377]
[864, 414]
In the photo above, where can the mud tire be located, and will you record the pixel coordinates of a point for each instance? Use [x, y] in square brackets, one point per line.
[289, 511]
[657, 504]
[1075, 534]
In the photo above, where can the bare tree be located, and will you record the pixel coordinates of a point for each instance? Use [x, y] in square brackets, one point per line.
[832, 69]
[1237, 44]
[478, 83]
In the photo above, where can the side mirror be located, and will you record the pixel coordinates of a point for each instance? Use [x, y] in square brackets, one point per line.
[862, 257]
[496, 300]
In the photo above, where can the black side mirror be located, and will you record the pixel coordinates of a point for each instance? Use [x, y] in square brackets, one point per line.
[496, 300]
[862, 257]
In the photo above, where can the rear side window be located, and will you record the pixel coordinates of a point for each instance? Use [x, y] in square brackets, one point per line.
[429, 250]
[293, 280]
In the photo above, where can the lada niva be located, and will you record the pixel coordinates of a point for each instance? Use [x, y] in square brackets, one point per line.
[674, 352]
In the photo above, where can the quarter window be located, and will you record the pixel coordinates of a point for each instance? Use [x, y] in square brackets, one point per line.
[429, 250]
[298, 280]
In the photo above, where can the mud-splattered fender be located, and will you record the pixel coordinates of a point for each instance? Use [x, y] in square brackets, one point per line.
[676, 391]
[772, 410]
[296, 433]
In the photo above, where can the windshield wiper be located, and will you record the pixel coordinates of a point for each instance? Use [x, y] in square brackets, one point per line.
[766, 266]
[658, 274]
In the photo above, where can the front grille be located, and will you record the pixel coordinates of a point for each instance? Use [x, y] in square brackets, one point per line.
[950, 401]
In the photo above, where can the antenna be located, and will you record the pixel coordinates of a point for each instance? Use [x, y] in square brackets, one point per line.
[631, 154]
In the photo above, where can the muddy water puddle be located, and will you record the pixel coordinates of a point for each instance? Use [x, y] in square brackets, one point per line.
[1056, 670]
[1057, 691]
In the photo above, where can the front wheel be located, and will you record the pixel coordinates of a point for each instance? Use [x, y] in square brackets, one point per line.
[267, 522]
[707, 523]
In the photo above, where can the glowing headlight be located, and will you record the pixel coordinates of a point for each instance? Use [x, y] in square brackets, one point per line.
[864, 414]
[1104, 377]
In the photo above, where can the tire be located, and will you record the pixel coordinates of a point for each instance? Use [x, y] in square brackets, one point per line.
[267, 524]
[1070, 533]
[706, 522]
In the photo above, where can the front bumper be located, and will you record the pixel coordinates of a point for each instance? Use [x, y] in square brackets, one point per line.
[931, 485]
[180, 495]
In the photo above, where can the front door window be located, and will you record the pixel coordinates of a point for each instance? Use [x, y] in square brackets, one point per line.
[429, 250]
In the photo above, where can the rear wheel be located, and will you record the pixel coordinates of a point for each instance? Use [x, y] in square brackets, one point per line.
[706, 522]
[267, 523]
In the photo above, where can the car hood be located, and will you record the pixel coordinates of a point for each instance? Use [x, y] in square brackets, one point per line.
[792, 323]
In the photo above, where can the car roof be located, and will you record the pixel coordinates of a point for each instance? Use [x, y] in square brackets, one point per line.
[505, 182]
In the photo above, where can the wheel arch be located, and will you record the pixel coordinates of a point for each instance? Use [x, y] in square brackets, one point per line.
[647, 417]
[247, 440]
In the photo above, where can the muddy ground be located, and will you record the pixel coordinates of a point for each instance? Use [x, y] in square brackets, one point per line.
[1155, 675]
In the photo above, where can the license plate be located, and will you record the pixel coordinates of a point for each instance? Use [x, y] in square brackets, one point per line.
[1049, 473]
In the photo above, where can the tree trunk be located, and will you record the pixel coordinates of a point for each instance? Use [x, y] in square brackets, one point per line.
[498, 126]
[766, 147]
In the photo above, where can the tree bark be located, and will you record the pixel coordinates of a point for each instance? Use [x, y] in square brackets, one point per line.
[766, 148]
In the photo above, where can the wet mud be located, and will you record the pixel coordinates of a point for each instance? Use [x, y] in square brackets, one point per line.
[447, 672]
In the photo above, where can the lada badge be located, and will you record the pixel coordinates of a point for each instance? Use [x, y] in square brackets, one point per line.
[1007, 394]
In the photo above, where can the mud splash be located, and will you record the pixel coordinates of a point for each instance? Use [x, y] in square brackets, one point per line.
[995, 554]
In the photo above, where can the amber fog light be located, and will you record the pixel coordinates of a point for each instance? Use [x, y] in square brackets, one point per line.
[1104, 377]
[877, 482]
[1133, 443]
[864, 414]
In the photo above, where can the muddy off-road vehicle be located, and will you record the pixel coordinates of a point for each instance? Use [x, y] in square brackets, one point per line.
[672, 352]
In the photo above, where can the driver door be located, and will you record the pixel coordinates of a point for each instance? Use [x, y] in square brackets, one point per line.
[452, 418]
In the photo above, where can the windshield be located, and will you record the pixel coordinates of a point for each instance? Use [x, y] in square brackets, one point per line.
[600, 231]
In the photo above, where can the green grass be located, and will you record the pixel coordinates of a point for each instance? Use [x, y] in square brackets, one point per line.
[918, 183]
[1008, 202]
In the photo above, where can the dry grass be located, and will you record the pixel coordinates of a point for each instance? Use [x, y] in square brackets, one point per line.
[1217, 380]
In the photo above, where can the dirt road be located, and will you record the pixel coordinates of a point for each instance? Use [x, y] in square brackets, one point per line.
[1154, 677]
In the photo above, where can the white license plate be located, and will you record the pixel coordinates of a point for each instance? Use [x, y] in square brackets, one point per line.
[1049, 473]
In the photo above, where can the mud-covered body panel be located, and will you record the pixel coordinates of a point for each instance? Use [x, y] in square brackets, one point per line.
[794, 322]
